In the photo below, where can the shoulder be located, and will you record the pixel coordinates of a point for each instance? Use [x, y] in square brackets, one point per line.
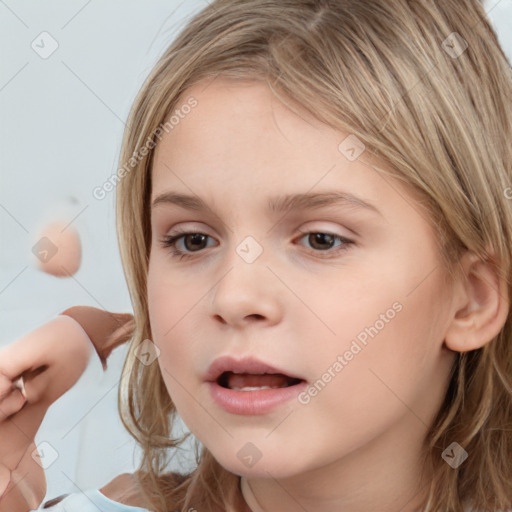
[124, 489]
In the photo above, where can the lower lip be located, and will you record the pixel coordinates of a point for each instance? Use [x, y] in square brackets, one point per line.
[249, 403]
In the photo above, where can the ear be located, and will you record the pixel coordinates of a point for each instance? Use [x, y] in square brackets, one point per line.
[481, 305]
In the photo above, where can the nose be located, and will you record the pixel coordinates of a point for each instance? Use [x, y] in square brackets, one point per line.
[248, 293]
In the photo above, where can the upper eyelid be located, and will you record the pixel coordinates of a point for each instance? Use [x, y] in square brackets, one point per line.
[192, 226]
[187, 231]
[321, 230]
[197, 226]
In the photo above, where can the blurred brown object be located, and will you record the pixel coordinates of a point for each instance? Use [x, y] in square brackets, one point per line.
[105, 329]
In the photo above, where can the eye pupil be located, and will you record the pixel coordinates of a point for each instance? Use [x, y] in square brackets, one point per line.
[321, 238]
[196, 238]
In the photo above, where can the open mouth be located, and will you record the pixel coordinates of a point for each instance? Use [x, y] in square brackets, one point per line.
[254, 381]
[249, 386]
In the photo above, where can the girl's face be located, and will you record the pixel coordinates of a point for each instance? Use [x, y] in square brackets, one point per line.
[346, 295]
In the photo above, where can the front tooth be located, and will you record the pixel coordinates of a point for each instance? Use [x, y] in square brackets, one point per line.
[250, 388]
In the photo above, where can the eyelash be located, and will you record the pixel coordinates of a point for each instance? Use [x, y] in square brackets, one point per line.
[169, 242]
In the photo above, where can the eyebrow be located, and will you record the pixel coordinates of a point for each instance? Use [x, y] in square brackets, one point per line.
[277, 204]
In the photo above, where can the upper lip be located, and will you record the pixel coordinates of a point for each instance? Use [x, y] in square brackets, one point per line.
[246, 364]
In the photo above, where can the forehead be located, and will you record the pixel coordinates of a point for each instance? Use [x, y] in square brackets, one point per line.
[229, 114]
[239, 145]
[239, 131]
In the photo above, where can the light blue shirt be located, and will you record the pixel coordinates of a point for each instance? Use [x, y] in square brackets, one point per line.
[91, 500]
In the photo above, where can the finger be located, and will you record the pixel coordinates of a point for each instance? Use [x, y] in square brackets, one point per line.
[11, 404]
[20, 429]
[21, 356]
[5, 477]
[61, 339]
[35, 349]
[27, 485]
[5, 386]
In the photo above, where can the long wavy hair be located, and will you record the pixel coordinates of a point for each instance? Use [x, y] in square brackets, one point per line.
[398, 75]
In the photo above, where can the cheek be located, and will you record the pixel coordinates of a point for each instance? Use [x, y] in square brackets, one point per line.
[171, 296]
[386, 320]
[171, 303]
[391, 354]
[362, 303]
[388, 369]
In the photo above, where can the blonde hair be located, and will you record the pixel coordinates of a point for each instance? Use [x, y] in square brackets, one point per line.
[396, 75]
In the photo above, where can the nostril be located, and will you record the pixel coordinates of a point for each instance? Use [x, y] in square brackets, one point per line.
[252, 317]
[255, 316]
[220, 319]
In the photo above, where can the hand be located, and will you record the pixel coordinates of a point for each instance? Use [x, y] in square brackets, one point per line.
[46, 362]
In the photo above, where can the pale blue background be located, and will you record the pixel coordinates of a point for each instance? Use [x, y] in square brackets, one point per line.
[61, 123]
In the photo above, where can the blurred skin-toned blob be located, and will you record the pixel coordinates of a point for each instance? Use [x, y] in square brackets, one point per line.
[60, 251]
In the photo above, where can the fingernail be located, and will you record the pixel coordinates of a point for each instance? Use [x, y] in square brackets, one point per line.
[19, 384]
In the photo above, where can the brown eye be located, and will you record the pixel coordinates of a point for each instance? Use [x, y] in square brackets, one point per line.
[194, 241]
[321, 241]
[183, 244]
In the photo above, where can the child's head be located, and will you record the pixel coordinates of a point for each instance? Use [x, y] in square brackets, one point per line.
[382, 284]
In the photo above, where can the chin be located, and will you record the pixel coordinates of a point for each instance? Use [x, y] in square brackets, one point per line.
[278, 466]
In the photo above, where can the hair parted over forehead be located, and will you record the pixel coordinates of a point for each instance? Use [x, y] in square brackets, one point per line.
[425, 86]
